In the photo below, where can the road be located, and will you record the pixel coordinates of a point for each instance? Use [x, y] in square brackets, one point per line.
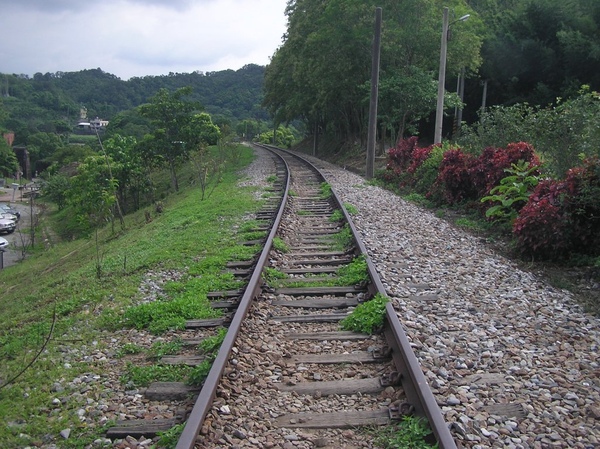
[20, 236]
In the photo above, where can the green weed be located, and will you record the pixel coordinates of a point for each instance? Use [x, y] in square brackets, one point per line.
[344, 239]
[212, 344]
[367, 317]
[337, 215]
[410, 433]
[129, 349]
[197, 375]
[352, 210]
[354, 273]
[272, 275]
[161, 348]
[170, 438]
[280, 245]
[326, 191]
[142, 376]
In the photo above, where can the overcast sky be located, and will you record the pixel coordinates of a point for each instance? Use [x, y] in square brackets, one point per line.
[138, 37]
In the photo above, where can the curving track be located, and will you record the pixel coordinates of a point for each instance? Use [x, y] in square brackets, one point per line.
[285, 374]
[285, 392]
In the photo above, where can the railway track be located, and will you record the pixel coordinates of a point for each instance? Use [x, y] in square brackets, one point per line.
[286, 375]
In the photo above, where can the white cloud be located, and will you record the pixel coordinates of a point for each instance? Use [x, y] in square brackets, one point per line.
[137, 38]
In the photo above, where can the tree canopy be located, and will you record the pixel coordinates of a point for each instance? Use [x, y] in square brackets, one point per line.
[319, 73]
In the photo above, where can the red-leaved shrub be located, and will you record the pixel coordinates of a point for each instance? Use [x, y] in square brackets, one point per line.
[489, 168]
[563, 217]
[400, 157]
[454, 179]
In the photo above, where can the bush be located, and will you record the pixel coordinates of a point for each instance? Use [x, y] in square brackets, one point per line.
[491, 165]
[563, 217]
[454, 179]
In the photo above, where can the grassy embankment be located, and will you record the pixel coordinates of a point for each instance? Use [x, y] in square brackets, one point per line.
[58, 289]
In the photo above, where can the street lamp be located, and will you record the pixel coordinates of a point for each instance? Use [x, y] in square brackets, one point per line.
[439, 112]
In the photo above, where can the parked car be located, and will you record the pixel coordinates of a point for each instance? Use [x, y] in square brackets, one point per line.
[7, 225]
[3, 244]
[8, 209]
[8, 216]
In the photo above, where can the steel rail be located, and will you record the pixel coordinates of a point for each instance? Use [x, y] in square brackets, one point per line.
[209, 389]
[415, 385]
[417, 390]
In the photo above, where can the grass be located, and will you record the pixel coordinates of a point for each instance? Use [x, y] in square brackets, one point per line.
[367, 317]
[410, 433]
[57, 288]
[280, 245]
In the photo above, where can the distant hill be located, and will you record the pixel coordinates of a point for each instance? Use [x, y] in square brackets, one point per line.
[51, 102]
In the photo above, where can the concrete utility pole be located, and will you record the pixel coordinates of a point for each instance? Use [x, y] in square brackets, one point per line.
[372, 135]
[439, 112]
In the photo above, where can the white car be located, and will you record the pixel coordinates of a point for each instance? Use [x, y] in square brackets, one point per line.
[3, 244]
[8, 216]
[7, 225]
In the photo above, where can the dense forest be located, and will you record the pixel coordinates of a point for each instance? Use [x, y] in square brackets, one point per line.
[51, 102]
[511, 51]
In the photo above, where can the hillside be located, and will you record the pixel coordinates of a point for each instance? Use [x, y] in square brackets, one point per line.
[51, 102]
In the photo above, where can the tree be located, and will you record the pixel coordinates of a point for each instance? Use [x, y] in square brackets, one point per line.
[128, 169]
[8, 160]
[92, 196]
[42, 146]
[319, 73]
[170, 114]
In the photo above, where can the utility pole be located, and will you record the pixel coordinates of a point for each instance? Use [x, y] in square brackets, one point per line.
[439, 112]
[372, 135]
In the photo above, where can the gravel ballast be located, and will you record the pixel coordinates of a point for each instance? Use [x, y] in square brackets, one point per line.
[512, 361]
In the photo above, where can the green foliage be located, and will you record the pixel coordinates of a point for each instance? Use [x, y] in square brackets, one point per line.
[426, 174]
[272, 275]
[169, 439]
[197, 374]
[142, 376]
[561, 133]
[56, 189]
[408, 434]
[8, 160]
[512, 193]
[174, 120]
[161, 348]
[367, 317]
[92, 193]
[129, 349]
[190, 302]
[325, 191]
[280, 245]
[337, 215]
[184, 238]
[284, 137]
[419, 199]
[354, 273]
[344, 238]
[318, 74]
[350, 208]
[212, 344]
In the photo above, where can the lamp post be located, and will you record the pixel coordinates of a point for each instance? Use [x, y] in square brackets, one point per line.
[439, 112]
